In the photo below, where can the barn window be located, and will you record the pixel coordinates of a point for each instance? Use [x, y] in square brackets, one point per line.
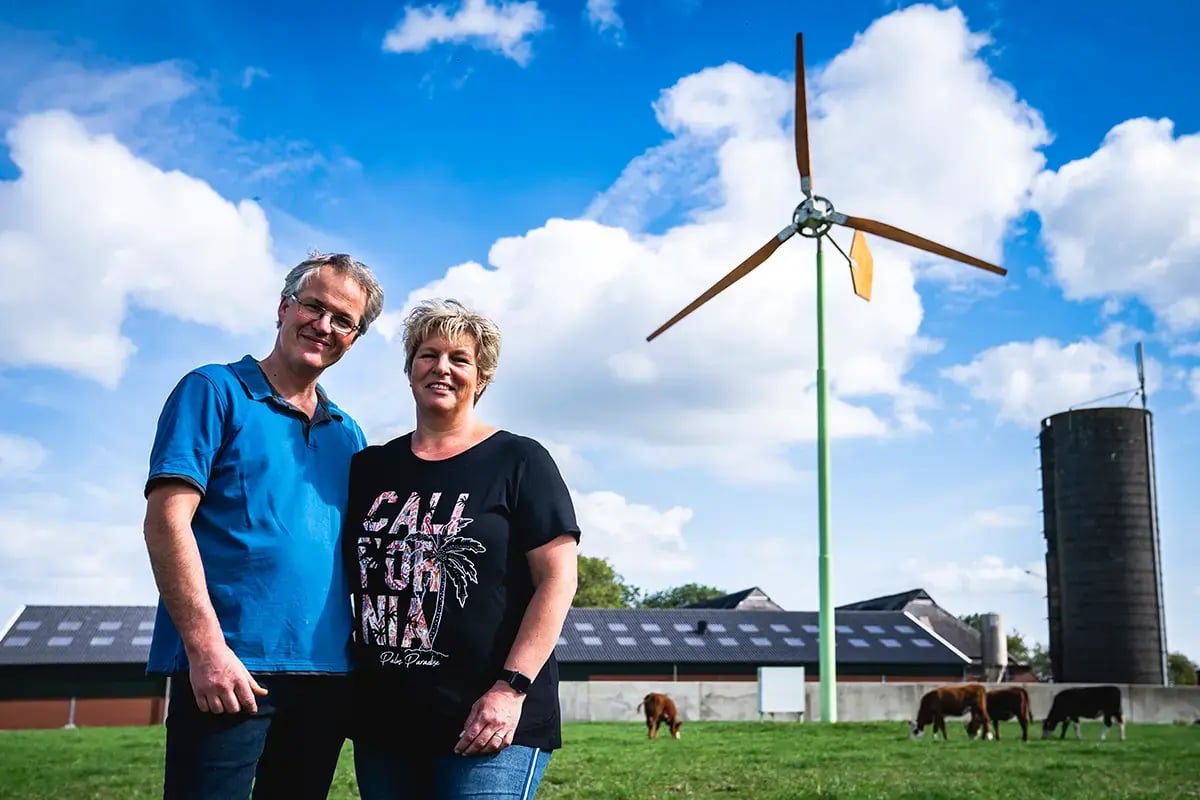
[716, 627]
[779, 627]
[628, 641]
[110, 626]
[904, 629]
[922, 643]
[890, 643]
[584, 626]
[592, 640]
[682, 627]
[101, 641]
[794, 641]
[651, 627]
[844, 629]
[728, 641]
[811, 628]
[16, 641]
[661, 641]
[70, 626]
[561, 641]
[145, 626]
[694, 641]
[617, 626]
[60, 641]
[859, 642]
[141, 641]
[873, 628]
[29, 626]
[748, 627]
[761, 641]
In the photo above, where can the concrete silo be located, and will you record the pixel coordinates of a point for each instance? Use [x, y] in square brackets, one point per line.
[1103, 569]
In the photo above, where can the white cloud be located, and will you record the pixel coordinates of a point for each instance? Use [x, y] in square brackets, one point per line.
[602, 15]
[60, 560]
[502, 28]
[1140, 241]
[251, 74]
[1028, 381]
[1002, 517]
[732, 387]
[642, 543]
[1194, 385]
[19, 455]
[987, 575]
[94, 230]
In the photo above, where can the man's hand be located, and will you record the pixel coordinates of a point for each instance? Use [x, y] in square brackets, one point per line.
[492, 722]
[221, 683]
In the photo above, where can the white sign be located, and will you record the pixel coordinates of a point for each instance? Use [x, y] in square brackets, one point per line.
[781, 690]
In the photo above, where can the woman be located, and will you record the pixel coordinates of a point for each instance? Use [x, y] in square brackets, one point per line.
[463, 543]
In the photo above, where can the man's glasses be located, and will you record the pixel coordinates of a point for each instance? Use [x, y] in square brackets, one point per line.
[341, 324]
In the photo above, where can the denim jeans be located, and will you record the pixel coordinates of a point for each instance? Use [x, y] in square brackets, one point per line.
[390, 772]
[289, 748]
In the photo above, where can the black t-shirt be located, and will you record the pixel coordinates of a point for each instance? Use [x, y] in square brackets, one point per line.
[440, 583]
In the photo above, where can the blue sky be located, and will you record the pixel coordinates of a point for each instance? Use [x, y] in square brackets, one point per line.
[581, 170]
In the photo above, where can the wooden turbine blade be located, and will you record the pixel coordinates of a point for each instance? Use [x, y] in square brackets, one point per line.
[801, 122]
[862, 266]
[736, 274]
[912, 240]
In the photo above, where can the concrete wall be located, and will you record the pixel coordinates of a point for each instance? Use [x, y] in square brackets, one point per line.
[616, 701]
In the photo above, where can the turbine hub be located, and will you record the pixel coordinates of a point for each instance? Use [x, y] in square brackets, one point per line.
[812, 218]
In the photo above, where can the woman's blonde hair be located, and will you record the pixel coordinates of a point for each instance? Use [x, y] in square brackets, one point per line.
[452, 320]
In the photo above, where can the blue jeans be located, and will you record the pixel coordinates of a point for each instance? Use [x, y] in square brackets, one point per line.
[289, 748]
[389, 772]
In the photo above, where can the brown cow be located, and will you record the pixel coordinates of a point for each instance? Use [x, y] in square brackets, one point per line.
[1004, 704]
[952, 701]
[659, 709]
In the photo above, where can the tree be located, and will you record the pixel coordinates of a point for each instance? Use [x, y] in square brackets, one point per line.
[678, 596]
[601, 587]
[1181, 669]
[1039, 662]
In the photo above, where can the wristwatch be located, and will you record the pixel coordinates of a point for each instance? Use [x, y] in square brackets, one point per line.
[518, 681]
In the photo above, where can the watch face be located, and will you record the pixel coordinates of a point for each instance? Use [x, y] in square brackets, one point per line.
[517, 681]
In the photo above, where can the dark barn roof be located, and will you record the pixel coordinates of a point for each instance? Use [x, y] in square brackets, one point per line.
[619, 635]
[752, 599]
[78, 635]
[121, 635]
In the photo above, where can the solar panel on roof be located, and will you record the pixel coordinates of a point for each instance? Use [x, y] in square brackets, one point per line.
[748, 627]
[16, 641]
[873, 628]
[844, 629]
[793, 641]
[110, 626]
[142, 641]
[60, 641]
[761, 641]
[617, 626]
[628, 641]
[101, 641]
[679, 626]
[69, 625]
[890, 643]
[29, 626]
[661, 641]
[779, 627]
[728, 641]
[584, 626]
[592, 640]
[859, 642]
[716, 627]
[922, 643]
[694, 641]
[651, 627]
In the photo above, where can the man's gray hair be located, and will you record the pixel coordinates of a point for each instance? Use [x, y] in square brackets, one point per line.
[451, 319]
[342, 264]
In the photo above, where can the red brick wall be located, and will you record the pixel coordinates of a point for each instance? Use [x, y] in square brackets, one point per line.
[25, 714]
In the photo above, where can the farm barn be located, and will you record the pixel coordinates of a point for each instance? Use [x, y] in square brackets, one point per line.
[85, 665]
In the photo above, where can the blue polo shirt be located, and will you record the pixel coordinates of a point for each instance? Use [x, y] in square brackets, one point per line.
[269, 524]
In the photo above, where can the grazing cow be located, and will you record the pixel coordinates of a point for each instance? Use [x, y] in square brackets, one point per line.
[952, 701]
[1088, 702]
[1005, 704]
[659, 709]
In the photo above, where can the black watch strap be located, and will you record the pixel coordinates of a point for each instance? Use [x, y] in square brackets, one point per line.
[518, 681]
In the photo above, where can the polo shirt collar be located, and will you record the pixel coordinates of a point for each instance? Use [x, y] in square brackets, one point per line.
[252, 378]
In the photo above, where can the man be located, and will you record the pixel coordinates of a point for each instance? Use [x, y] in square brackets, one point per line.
[245, 499]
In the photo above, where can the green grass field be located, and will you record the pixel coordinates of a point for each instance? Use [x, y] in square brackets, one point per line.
[850, 761]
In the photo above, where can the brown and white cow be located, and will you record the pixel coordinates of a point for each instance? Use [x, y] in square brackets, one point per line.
[660, 708]
[1089, 702]
[952, 701]
[1004, 704]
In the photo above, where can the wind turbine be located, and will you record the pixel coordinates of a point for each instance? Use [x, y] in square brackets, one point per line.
[813, 218]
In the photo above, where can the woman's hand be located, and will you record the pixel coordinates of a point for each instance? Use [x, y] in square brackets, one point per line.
[492, 722]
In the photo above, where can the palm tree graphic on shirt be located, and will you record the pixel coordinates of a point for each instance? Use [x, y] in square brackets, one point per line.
[439, 556]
